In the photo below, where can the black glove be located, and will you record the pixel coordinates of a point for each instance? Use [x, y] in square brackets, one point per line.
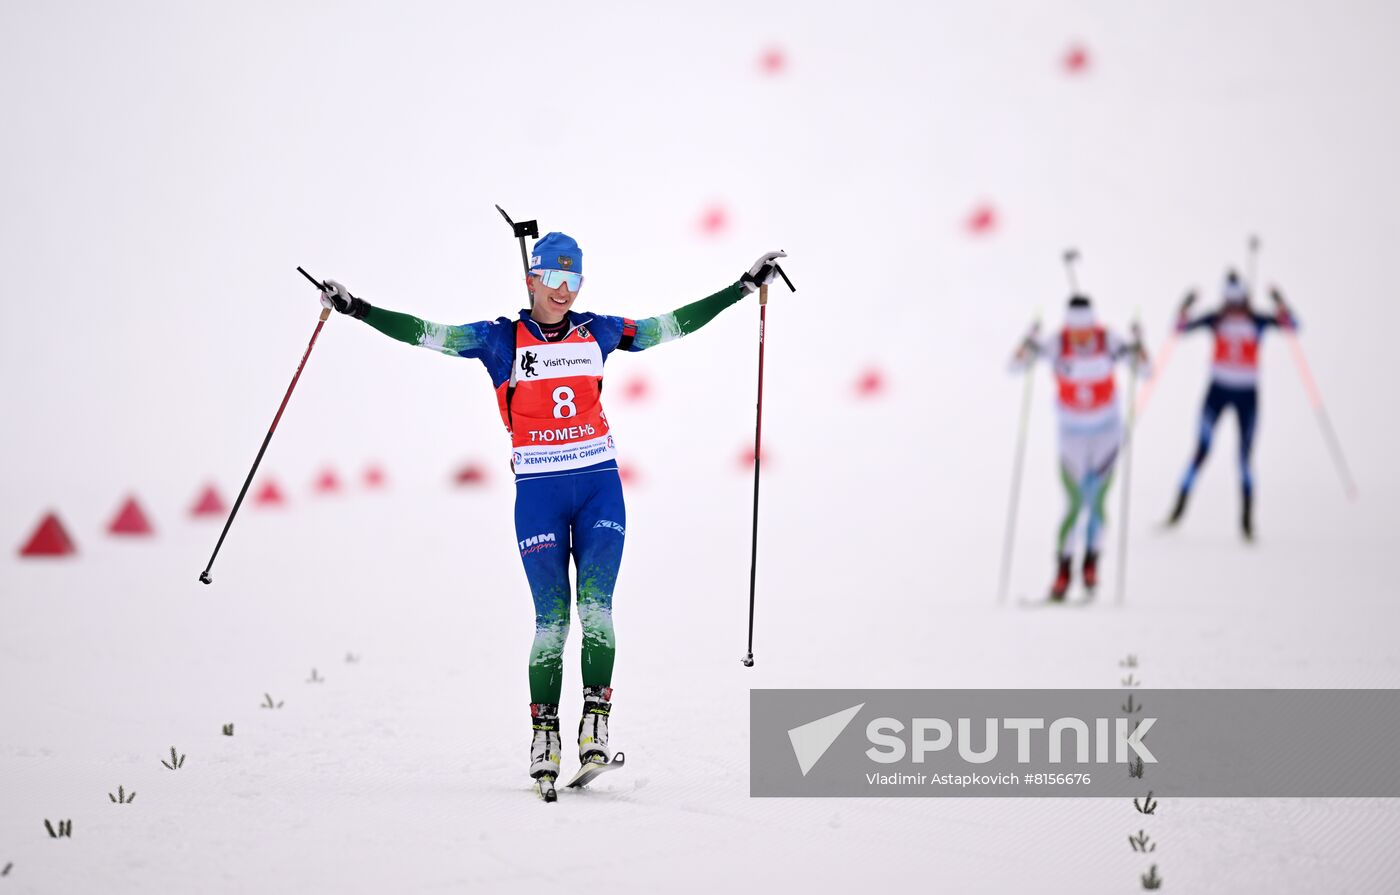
[1188, 301]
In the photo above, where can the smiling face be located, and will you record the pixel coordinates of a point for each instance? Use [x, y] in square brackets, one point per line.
[549, 305]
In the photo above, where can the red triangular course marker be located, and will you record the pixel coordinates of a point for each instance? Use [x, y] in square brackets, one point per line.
[269, 495]
[49, 539]
[374, 477]
[209, 503]
[327, 482]
[470, 474]
[130, 520]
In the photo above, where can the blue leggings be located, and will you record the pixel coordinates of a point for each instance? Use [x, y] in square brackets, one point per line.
[1246, 404]
[580, 515]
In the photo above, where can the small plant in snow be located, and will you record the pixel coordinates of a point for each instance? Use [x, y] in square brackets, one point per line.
[1135, 768]
[1140, 842]
[228, 730]
[1151, 880]
[315, 678]
[268, 703]
[6, 871]
[121, 798]
[65, 828]
[1129, 662]
[351, 658]
[176, 761]
[1148, 806]
[1130, 681]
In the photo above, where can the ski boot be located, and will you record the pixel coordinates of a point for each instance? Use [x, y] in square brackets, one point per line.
[593, 727]
[1061, 585]
[1091, 570]
[545, 748]
[594, 757]
[1247, 517]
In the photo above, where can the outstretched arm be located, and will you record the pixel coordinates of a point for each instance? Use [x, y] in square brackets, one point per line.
[640, 335]
[466, 340]
[683, 321]
[1185, 322]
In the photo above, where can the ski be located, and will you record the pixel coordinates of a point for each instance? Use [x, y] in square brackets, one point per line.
[1085, 599]
[589, 771]
[544, 785]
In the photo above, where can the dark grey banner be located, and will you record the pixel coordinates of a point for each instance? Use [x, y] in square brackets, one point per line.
[962, 743]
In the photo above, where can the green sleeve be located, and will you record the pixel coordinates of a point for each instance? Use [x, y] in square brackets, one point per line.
[684, 320]
[466, 340]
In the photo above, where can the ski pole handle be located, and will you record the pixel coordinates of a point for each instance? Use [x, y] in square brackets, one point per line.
[315, 282]
[325, 312]
[763, 295]
[782, 273]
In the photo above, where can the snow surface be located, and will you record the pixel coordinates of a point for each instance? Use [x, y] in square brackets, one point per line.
[164, 169]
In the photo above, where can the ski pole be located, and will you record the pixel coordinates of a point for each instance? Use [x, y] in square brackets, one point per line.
[1300, 360]
[1128, 464]
[1009, 537]
[1150, 384]
[1071, 256]
[325, 314]
[1252, 252]
[1163, 356]
[1339, 459]
[757, 448]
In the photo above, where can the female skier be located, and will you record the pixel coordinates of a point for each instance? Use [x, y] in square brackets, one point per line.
[547, 369]
[1234, 382]
[1083, 354]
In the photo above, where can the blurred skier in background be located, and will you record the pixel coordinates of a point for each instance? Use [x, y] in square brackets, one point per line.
[1234, 382]
[1082, 355]
[547, 370]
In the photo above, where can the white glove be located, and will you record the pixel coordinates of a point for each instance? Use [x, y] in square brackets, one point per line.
[1028, 349]
[762, 272]
[336, 296]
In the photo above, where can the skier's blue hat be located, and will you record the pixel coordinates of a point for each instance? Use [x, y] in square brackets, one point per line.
[557, 251]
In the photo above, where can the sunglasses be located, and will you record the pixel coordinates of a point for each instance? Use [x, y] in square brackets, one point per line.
[553, 279]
